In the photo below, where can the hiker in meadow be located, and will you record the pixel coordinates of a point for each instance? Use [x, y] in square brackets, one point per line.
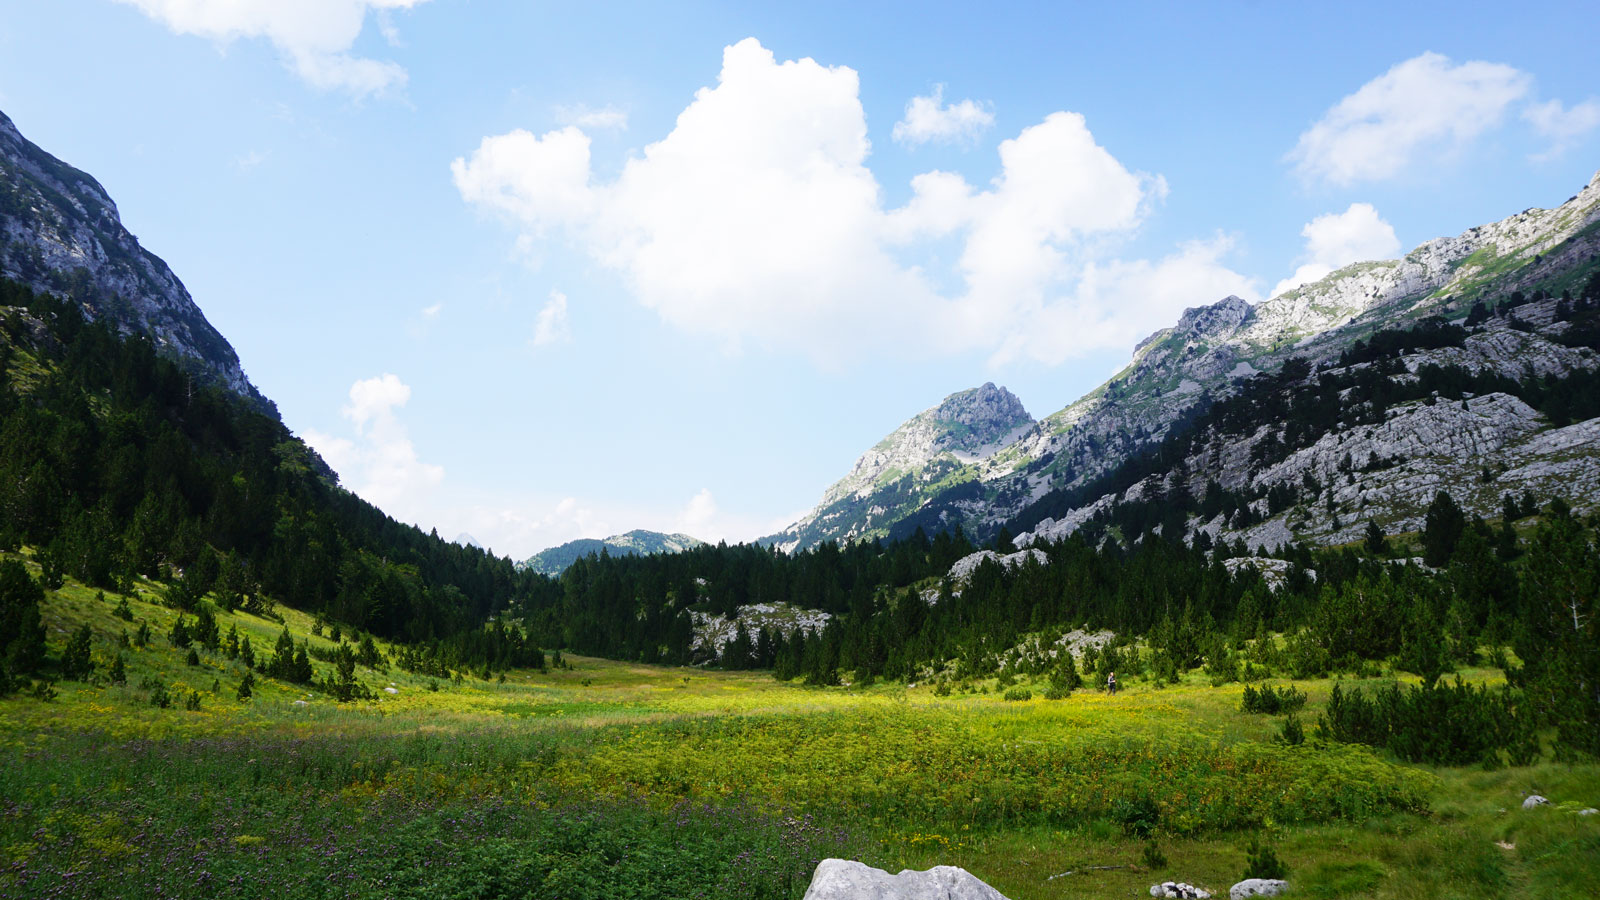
[1111, 683]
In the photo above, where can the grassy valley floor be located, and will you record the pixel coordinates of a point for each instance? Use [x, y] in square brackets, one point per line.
[615, 780]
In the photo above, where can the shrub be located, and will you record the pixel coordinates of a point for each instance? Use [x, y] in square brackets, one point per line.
[1272, 701]
[1449, 724]
[1292, 733]
[1154, 859]
[1261, 861]
[119, 671]
[247, 685]
[123, 610]
[1018, 693]
[159, 697]
[1138, 815]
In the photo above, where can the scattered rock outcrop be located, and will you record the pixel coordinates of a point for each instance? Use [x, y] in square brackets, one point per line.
[842, 879]
[966, 565]
[712, 633]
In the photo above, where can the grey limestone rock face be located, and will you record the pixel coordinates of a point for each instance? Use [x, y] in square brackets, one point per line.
[1258, 887]
[843, 879]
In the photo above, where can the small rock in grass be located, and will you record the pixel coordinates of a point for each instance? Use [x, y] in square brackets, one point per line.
[390, 690]
[301, 703]
[1179, 889]
[843, 879]
[1588, 812]
[1534, 800]
[1258, 887]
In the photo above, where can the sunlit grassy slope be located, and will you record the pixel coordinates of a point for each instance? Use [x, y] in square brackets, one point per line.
[1017, 792]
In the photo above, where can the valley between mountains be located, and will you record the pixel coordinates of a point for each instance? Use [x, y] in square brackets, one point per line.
[1307, 592]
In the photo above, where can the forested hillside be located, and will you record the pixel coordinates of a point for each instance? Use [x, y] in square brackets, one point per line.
[115, 463]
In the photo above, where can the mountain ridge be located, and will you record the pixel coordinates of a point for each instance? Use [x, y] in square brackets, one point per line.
[1209, 352]
[61, 233]
[640, 542]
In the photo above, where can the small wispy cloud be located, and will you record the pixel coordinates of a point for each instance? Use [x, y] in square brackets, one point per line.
[552, 326]
[1564, 126]
[583, 116]
[931, 119]
[247, 162]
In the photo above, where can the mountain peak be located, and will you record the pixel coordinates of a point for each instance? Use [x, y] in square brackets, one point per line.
[556, 560]
[981, 415]
[60, 233]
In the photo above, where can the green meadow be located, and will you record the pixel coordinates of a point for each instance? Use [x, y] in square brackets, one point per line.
[603, 779]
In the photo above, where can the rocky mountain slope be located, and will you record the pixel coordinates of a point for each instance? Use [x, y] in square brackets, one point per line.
[1212, 351]
[555, 560]
[932, 453]
[60, 232]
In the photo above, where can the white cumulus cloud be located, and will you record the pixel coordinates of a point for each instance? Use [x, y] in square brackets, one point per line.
[931, 119]
[1337, 239]
[1425, 104]
[551, 327]
[380, 463]
[756, 219]
[313, 36]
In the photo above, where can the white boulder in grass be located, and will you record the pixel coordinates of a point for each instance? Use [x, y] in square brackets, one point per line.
[1258, 887]
[844, 879]
[1533, 801]
[390, 690]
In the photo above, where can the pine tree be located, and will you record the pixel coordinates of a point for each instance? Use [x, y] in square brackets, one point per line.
[1441, 529]
[368, 654]
[1376, 542]
[230, 644]
[204, 629]
[179, 635]
[247, 685]
[77, 663]
[21, 628]
[119, 671]
[247, 653]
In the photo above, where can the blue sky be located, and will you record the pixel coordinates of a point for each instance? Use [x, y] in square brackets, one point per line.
[535, 271]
